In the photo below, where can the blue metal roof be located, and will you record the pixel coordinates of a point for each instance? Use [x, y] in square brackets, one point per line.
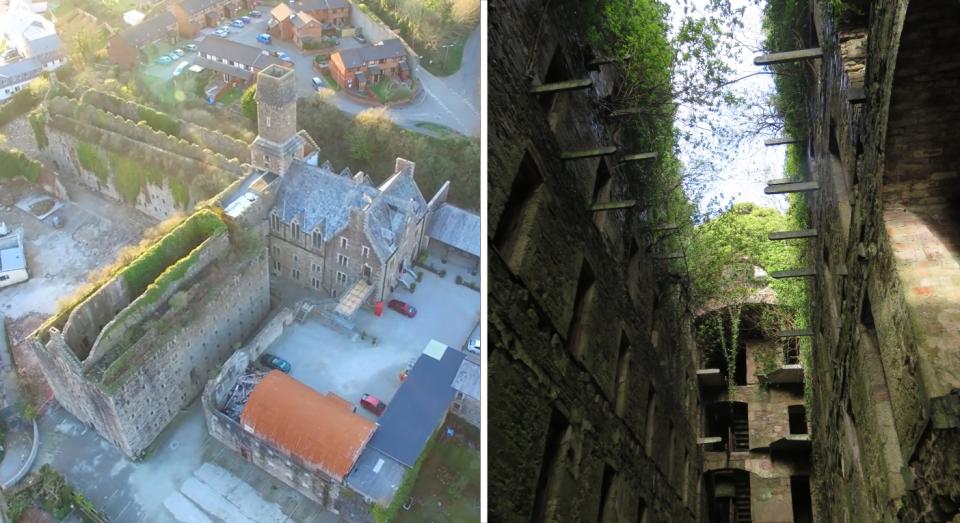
[418, 407]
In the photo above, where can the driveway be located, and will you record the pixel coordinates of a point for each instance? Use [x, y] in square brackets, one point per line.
[453, 101]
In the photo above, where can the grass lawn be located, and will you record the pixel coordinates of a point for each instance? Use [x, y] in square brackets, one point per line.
[448, 487]
[329, 82]
[440, 130]
[387, 91]
[444, 62]
[232, 96]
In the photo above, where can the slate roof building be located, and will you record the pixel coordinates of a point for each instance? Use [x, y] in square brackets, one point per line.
[236, 63]
[452, 231]
[33, 36]
[336, 233]
[15, 76]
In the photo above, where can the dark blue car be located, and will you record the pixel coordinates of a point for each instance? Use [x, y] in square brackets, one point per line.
[272, 362]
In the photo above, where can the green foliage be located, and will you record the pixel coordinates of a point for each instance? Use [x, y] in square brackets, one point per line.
[23, 101]
[383, 514]
[39, 125]
[181, 193]
[371, 142]
[90, 160]
[159, 121]
[248, 103]
[14, 163]
[128, 177]
[49, 490]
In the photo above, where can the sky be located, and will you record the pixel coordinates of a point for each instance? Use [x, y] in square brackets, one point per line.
[743, 177]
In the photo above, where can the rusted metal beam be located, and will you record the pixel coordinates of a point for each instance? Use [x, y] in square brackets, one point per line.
[783, 140]
[638, 157]
[800, 333]
[612, 206]
[588, 153]
[783, 188]
[556, 87]
[789, 56]
[793, 235]
[794, 273]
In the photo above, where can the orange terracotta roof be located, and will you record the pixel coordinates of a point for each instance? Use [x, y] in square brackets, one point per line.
[320, 429]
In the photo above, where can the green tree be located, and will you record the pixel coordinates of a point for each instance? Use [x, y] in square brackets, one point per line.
[248, 103]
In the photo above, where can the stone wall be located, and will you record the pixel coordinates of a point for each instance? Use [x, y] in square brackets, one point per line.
[885, 367]
[130, 414]
[592, 392]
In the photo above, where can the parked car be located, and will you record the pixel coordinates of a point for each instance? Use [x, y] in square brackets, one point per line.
[284, 56]
[237, 23]
[474, 346]
[359, 37]
[190, 47]
[264, 38]
[164, 60]
[245, 19]
[178, 52]
[273, 362]
[317, 83]
[255, 14]
[403, 308]
[221, 32]
[372, 404]
[180, 67]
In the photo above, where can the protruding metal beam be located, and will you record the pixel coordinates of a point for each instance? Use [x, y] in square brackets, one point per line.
[856, 95]
[638, 157]
[789, 56]
[779, 181]
[557, 87]
[794, 273]
[792, 235]
[799, 333]
[783, 188]
[605, 60]
[588, 153]
[628, 111]
[671, 256]
[612, 206]
[783, 140]
[661, 227]
[709, 441]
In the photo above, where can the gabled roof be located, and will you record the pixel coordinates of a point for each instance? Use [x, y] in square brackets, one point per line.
[357, 56]
[322, 430]
[303, 19]
[10, 72]
[467, 379]
[322, 5]
[43, 45]
[419, 406]
[319, 199]
[195, 6]
[244, 54]
[23, 22]
[149, 30]
[281, 12]
[456, 227]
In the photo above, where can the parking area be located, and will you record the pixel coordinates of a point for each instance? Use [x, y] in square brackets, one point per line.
[328, 360]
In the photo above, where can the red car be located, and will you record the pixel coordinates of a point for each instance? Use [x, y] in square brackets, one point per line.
[403, 308]
[373, 404]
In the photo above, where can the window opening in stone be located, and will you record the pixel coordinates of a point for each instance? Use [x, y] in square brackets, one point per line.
[800, 499]
[576, 340]
[519, 210]
[623, 370]
[557, 72]
[550, 465]
[602, 187]
[609, 475]
[798, 419]
[650, 422]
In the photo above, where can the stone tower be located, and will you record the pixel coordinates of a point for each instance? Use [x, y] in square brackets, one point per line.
[277, 143]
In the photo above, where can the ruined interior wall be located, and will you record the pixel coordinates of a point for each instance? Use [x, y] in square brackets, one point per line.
[89, 317]
[534, 378]
[880, 380]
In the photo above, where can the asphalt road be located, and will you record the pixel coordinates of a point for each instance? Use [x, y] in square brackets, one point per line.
[452, 101]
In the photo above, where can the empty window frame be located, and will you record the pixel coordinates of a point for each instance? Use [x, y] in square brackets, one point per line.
[551, 464]
[623, 375]
[557, 72]
[586, 284]
[650, 422]
[798, 419]
[607, 493]
[602, 186]
[518, 212]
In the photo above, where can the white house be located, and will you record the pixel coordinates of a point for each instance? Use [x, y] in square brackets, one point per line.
[13, 263]
[33, 36]
[15, 76]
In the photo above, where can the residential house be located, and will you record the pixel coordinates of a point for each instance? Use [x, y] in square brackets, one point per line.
[466, 400]
[356, 68]
[194, 15]
[298, 27]
[128, 47]
[15, 76]
[452, 231]
[13, 262]
[33, 36]
[236, 63]
[331, 13]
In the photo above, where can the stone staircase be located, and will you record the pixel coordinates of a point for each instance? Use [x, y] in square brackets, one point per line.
[741, 434]
[741, 498]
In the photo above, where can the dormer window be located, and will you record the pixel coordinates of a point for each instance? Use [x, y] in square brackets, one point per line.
[295, 227]
[317, 240]
[275, 223]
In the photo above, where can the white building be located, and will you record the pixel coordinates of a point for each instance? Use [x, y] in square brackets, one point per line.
[33, 36]
[13, 262]
[16, 76]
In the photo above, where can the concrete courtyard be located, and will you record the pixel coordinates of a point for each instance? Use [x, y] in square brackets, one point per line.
[328, 360]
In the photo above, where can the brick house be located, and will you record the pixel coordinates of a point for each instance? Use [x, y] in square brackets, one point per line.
[194, 15]
[237, 64]
[126, 48]
[356, 68]
[336, 13]
[298, 27]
